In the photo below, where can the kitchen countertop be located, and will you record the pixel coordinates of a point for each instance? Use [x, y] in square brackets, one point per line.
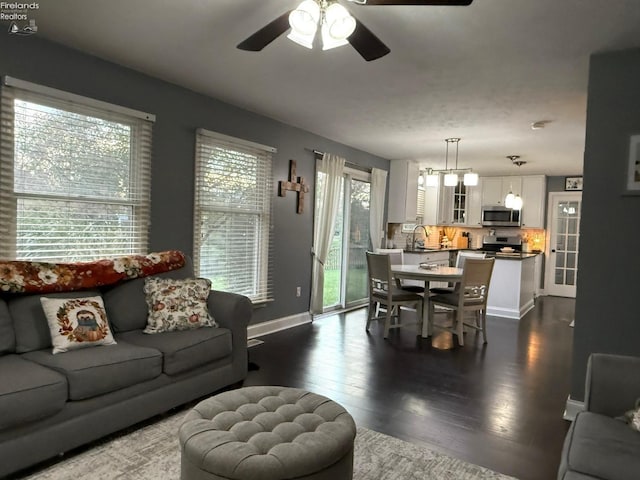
[490, 254]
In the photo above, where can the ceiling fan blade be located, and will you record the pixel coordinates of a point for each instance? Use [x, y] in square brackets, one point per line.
[366, 43]
[462, 3]
[266, 34]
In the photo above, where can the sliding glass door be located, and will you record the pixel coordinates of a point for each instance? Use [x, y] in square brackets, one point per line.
[345, 273]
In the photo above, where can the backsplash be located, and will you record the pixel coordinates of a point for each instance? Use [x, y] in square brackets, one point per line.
[396, 239]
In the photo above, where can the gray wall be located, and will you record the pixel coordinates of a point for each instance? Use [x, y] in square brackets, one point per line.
[555, 184]
[178, 113]
[607, 317]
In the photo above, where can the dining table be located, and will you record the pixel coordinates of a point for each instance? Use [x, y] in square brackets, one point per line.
[427, 274]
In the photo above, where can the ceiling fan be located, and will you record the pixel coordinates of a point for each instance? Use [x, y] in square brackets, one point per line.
[360, 37]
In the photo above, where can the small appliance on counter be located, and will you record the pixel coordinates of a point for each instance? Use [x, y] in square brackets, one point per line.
[502, 243]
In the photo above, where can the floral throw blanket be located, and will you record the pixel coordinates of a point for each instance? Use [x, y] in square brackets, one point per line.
[18, 276]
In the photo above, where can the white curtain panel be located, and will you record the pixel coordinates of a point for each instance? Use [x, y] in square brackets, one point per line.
[328, 199]
[376, 206]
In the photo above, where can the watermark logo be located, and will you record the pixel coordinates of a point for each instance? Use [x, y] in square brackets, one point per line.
[21, 17]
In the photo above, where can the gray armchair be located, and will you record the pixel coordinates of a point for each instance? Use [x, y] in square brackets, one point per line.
[599, 446]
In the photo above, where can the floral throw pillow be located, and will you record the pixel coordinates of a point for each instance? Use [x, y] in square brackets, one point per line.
[76, 323]
[177, 304]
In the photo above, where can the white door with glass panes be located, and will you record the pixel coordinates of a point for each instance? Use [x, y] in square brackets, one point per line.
[563, 243]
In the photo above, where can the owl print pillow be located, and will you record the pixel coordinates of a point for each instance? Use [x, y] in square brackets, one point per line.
[77, 323]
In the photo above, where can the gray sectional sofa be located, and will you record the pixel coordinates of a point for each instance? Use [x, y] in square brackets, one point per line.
[598, 444]
[50, 404]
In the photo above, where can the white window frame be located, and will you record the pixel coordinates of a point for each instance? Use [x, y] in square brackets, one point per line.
[262, 268]
[139, 175]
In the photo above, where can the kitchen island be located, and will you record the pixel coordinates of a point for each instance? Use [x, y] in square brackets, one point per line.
[514, 282]
[513, 285]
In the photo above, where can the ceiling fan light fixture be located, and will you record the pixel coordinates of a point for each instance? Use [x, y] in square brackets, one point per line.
[304, 19]
[301, 39]
[329, 41]
[341, 24]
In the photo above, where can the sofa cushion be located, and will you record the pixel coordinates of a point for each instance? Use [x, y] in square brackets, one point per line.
[177, 304]
[93, 371]
[7, 336]
[30, 323]
[603, 447]
[186, 349]
[28, 391]
[76, 323]
[126, 304]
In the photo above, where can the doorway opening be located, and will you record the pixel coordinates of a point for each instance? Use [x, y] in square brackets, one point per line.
[345, 270]
[563, 244]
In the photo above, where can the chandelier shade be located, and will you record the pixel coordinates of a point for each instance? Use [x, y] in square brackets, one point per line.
[470, 179]
[450, 179]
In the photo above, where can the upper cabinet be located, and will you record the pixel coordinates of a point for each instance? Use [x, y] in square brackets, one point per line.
[533, 195]
[403, 192]
[495, 189]
[474, 204]
[532, 189]
[460, 205]
[431, 205]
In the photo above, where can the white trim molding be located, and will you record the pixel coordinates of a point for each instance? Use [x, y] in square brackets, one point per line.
[74, 98]
[572, 408]
[273, 326]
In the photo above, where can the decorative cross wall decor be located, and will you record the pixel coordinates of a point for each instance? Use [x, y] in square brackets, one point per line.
[294, 184]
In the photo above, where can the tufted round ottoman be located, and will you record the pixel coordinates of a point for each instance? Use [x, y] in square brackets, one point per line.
[267, 433]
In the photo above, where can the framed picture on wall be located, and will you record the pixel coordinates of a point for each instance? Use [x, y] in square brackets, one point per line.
[633, 167]
[573, 184]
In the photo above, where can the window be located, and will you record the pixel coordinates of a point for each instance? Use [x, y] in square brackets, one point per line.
[232, 224]
[74, 176]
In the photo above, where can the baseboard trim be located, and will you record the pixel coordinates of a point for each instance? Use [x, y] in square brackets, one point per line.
[572, 408]
[511, 312]
[272, 326]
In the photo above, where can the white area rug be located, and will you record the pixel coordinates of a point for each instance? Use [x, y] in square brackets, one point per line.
[152, 453]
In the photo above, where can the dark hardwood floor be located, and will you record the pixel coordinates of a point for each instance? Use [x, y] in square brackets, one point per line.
[498, 405]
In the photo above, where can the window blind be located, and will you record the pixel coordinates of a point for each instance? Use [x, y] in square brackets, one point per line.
[232, 225]
[74, 178]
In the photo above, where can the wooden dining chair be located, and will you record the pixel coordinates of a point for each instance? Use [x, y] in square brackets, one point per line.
[384, 291]
[469, 295]
[397, 258]
[460, 259]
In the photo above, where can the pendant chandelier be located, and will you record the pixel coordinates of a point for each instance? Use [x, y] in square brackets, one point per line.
[336, 24]
[451, 178]
[511, 200]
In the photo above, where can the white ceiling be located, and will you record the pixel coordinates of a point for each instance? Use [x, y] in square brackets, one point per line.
[483, 73]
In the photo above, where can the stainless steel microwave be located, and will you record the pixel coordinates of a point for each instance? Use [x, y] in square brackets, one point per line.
[497, 216]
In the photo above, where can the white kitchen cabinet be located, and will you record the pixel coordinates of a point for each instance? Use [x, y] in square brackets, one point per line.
[533, 195]
[403, 192]
[492, 191]
[474, 205]
[453, 204]
[431, 205]
[495, 189]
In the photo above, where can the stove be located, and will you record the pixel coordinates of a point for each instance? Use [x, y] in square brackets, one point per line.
[493, 243]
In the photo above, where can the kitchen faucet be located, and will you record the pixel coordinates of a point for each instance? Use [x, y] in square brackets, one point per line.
[413, 235]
